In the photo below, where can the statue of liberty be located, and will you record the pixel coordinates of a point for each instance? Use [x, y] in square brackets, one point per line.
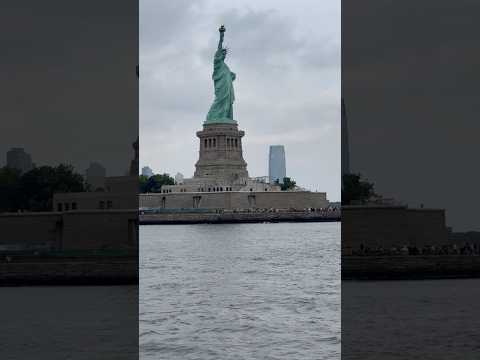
[221, 110]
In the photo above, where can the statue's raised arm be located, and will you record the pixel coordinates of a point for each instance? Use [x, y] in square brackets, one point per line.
[221, 110]
[222, 34]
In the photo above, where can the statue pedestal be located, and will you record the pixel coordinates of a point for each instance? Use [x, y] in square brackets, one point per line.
[221, 154]
[220, 121]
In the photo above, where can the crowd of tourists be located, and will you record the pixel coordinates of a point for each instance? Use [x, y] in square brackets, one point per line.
[448, 249]
[328, 210]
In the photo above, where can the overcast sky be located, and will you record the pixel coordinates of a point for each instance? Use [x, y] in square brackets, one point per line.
[411, 85]
[287, 59]
[68, 89]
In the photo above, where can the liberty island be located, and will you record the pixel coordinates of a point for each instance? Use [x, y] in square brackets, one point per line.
[221, 180]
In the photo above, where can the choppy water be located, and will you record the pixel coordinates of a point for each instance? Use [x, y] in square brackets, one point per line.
[243, 291]
[69, 322]
[428, 320]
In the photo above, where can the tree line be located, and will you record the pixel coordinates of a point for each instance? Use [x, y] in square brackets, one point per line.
[154, 183]
[33, 190]
[356, 190]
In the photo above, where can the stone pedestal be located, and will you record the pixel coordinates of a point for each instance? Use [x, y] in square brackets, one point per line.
[221, 156]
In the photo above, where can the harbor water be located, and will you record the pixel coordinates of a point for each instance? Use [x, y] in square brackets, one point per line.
[240, 291]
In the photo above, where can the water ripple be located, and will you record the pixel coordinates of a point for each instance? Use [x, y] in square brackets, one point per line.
[252, 291]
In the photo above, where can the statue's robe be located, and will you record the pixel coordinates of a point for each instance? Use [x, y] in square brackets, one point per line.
[222, 107]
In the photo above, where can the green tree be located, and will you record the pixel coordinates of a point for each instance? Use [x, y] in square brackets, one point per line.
[356, 190]
[142, 182]
[39, 184]
[10, 192]
[288, 184]
[154, 183]
[67, 180]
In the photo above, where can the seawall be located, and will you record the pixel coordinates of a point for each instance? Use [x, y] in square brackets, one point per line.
[98, 270]
[410, 267]
[171, 218]
[231, 200]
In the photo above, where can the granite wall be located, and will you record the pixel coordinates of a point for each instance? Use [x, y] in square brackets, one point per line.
[94, 200]
[73, 230]
[388, 226]
[35, 230]
[236, 200]
[237, 217]
[410, 267]
[69, 271]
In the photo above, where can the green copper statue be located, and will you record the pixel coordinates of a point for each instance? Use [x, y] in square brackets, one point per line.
[221, 110]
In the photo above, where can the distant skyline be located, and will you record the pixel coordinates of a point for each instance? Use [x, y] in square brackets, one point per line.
[78, 169]
[287, 88]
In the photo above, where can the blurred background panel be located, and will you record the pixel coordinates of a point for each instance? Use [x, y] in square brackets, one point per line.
[69, 179]
[409, 89]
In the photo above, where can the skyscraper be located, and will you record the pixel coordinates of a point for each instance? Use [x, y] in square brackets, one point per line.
[179, 178]
[95, 176]
[17, 158]
[147, 171]
[276, 164]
